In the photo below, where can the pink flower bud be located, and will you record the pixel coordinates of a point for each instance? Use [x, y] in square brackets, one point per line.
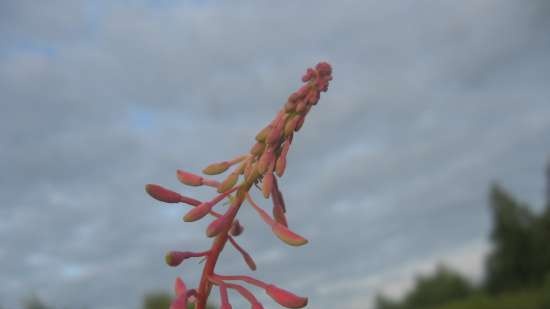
[162, 194]
[229, 182]
[300, 122]
[198, 212]
[267, 184]
[275, 134]
[216, 168]
[257, 149]
[218, 225]
[285, 298]
[262, 135]
[236, 228]
[175, 258]
[280, 166]
[288, 236]
[179, 287]
[301, 107]
[309, 75]
[265, 161]
[290, 125]
[189, 179]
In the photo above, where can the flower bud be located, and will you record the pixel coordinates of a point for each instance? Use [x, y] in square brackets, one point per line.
[262, 135]
[301, 107]
[285, 298]
[175, 258]
[198, 212]
[217, 226]
[280, 166]
[300, 122]
[275, 134]
[229, 182]
[162, 194]
[265, 161]
[179, 287]
[189, 178]
[216, 168]
[267, 184]
[290, 125]
[236, 228]
[257, 149]
[288, 236]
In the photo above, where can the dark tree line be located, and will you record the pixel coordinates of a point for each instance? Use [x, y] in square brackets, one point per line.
[519, 258]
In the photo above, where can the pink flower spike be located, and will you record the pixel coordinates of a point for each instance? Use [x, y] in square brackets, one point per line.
[162, 194]
[285, 298]
[189, 179]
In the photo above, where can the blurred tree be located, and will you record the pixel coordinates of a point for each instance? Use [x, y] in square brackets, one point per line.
[443, 286]
[520, 245]
[439, 288]
[383, 302]
[34, 302]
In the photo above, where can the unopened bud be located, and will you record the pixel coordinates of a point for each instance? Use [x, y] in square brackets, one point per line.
[217, 226]
[198, 212]
[236, 228]
[179, 287]
[216, 168]
[275, 133]
[262, 135]
[280, 166]
[265, 160]
[229, 182]
[257, 149]
[300, 122]
[162, 194]
[175, 258]
[285, 298]
[288, 236]
[301, 107]
[267, 184]
[189, 179]
[290, 125]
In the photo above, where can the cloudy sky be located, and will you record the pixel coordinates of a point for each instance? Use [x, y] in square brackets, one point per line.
[430, 102]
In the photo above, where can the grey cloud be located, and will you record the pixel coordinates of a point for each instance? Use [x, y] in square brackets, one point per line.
[429, 103]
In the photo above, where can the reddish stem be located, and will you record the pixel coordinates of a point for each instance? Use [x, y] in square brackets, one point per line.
[247, 279]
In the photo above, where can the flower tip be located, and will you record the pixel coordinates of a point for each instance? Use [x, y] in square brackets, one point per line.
[179, 287]
[285, 298]
[288, 236]
[197, 213]
[175, 258]
[216, 168]
[162, 194]
[189, 179]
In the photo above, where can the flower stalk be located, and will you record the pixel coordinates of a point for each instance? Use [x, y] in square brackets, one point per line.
[261, 166]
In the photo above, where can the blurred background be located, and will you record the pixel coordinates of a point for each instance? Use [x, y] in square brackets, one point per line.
[420, 179]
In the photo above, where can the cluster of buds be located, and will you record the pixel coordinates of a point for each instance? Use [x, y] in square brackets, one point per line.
[265, 162]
